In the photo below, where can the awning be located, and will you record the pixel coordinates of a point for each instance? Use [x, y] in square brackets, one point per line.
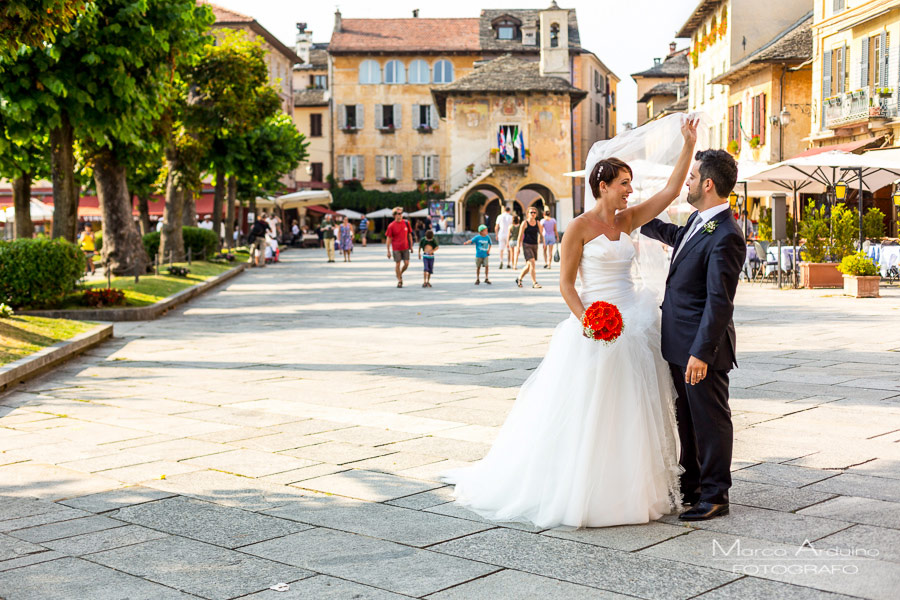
[845, 147]
[303, 199]
[320, 209]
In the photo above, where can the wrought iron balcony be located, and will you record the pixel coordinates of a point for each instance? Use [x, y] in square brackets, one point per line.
[858, 106]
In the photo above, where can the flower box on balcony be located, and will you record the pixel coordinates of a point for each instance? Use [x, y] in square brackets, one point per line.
[388, 180]
[349, 129]
[387, 129]
[424, 129]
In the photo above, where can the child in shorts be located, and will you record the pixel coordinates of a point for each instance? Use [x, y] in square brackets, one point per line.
[482, 250]
[428, 245]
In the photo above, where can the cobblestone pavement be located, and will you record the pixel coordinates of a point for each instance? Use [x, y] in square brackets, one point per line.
[289, 428]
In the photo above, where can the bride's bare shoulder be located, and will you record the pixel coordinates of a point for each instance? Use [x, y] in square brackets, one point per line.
[577, 228]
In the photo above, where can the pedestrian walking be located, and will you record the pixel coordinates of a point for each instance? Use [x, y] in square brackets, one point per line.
[502, 228]
[346, 234]
[548, 223]
[363, 230]
[257, 241]
[427, 245]
[326, 228]
[88, 246]
[482, 243]
[514, 241]
[530, 235]
[398, 238]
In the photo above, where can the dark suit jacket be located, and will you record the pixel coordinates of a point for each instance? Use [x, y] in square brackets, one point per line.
[699, 301]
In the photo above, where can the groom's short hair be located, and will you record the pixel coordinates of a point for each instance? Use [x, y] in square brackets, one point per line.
[719, 166]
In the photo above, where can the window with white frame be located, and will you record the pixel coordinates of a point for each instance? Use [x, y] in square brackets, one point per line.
[424, 116]
[389, 167]
[369, 72]
[387, 116]
[351, 167]
[426, 166]
[351, 116]
[394, 72]
[419, 72]
[443, 71]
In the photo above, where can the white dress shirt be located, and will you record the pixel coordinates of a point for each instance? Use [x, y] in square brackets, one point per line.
[702, 219]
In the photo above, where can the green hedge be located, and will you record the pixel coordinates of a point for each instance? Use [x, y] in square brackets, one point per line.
[38, 272]
[196, 238]
[369, 200]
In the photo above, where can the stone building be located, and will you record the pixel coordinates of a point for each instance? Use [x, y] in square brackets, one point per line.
[279, 58]
[662, 85]
[509, 97]
[723, 33]
[312, 110]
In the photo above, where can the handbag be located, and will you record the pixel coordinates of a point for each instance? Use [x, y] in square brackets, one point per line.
[556, 255]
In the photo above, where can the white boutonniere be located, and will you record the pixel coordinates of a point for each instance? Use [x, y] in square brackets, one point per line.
[710, 227]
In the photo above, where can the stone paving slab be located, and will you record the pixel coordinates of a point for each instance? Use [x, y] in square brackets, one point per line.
[64, 529]
[516, 585]
[323, 587]
[11, 547]
[104, 501]
[369, 561]
[367, 485]
[198, 568]
[106, 539]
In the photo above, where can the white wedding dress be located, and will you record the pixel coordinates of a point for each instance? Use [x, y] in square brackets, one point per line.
[591, 440]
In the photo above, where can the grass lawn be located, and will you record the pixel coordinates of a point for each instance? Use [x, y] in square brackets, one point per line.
[153, 288]
[22, 335]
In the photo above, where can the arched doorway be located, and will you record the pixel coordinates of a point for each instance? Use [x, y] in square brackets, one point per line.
[492, 210]
[476, 202]
[539, 196]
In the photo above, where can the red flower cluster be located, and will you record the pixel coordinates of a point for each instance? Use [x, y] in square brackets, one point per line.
[103, 297]
[602, 321]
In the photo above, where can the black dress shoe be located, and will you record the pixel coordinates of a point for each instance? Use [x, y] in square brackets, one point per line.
[690, 500]
[703, 510]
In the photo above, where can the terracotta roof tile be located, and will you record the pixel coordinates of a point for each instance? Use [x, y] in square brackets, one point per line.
[670, 88]
[675, 66]
[528, 17]
[405, 35]
[223, 15]
[794, 45]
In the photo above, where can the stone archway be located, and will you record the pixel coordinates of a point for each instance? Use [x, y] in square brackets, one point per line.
[473, 214]
[536, 194]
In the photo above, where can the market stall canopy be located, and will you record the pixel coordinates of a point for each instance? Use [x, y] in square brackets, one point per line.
[381, 213]
[40, 212]
[350, 214]
[419, 214]
[303, 199]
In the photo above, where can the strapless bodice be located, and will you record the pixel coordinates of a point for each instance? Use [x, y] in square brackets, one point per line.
[605, 269]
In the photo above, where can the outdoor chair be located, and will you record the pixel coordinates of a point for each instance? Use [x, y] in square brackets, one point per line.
[765, 263]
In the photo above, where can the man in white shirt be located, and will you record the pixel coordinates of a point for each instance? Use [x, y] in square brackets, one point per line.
[206, 223]
[502, 228]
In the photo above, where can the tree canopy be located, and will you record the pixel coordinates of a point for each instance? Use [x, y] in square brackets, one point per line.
[34, 22]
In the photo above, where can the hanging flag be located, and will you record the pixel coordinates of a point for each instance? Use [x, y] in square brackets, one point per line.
[502, 141]
[510, 153]
[516, 143]
[521, 144]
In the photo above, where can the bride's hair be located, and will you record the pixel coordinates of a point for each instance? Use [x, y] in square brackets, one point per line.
[606, 170]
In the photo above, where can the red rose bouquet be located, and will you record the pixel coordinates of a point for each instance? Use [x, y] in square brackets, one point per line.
[602, 321]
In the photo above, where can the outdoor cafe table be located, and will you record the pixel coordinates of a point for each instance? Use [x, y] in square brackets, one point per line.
[885, 257]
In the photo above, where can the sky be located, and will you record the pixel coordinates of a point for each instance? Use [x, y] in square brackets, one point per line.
[625, 34]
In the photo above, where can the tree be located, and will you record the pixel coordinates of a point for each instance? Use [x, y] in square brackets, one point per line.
[232, 96]
[144, 172]
[34, 22]
[23, 161]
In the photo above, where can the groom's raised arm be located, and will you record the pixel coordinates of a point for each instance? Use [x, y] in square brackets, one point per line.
[664, 232]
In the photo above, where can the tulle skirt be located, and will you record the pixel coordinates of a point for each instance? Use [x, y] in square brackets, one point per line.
[591, 440]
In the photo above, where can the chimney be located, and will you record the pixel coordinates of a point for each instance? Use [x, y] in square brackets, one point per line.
[672, 47]
[415, 13]
[337, 20]
[303, 43]
[656, 61]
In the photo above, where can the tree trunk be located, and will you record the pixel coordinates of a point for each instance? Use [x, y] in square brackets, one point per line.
[123, 250]
[229, 212]
[218, 197]
[65, 194]
[189, 212]
[22, 204]
[171, 243]
[144, 212]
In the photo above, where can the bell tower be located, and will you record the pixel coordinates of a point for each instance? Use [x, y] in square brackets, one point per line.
[554, 29]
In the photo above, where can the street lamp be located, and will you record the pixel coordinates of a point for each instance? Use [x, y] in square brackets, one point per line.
[732, 199]
[840, 190]
[896, 196]
[785, 117]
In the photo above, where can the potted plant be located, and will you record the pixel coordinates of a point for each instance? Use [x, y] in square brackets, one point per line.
[389, 128]
[423, 128]
[815, 272]
[734, 147]
[754, 142]
[861, 278]
[388, 180]
[470, 169]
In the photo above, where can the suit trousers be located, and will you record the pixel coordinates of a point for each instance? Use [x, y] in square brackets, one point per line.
[329, 247]
[707, 435]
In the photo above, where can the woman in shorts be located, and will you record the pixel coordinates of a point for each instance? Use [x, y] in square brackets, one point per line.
[531, 235]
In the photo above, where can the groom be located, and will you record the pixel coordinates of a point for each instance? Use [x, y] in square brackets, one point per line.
[698, 337]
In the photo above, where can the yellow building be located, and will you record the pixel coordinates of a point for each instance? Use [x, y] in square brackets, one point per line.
[312, 110]
[509, 99]
[723, 33]
[279, 58]
[662, 85]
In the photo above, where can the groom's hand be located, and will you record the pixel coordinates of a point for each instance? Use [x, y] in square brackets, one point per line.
[695, 371]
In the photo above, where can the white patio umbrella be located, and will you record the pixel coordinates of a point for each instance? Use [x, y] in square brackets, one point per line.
[381, 213]
[350, 214]
[40, 212]
[419, 214]
[303, 198]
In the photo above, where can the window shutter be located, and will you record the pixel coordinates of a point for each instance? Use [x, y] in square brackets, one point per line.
[417, 167]
[434, 117]
[398, 167]
[415, 116]
[864, 63]
[342, 116]
[360, 166]
[730, 123]
[739, 108]
[762, 119]
[398, 115]
[359, 116]
[340, 167]
[379, 166]
[435, 167]
[885, 60]
[826, 75]
[379, 111]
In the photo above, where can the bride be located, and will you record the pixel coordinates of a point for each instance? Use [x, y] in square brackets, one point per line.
[591, 440]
